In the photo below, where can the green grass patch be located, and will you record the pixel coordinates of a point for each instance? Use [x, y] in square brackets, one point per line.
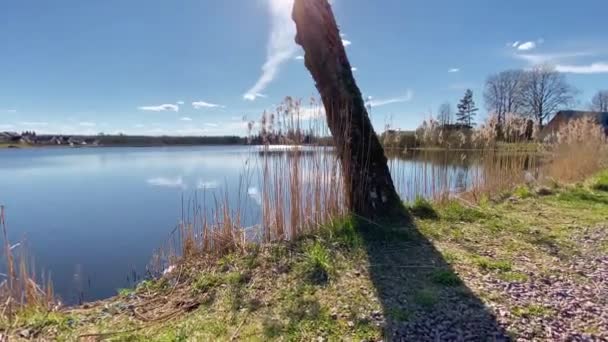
[445, 278]
[125, 292]
[532, 310]
[488, 264]
[423, 209]
[317, 263]
[426, 297]
[37, 320]
[523, 192]
[344, 232]
[601, 182]
[456, 212]
[205, 282]
[399, 314]
[160, 285]
[582, 196]
[513, 276]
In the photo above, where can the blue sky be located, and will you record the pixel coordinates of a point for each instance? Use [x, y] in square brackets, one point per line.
[195, 67]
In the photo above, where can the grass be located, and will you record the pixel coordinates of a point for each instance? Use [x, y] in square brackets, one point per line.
[317, 263]
[446, 278]
[601, 182]
[422, 208]
[488, 264]
[532, 310]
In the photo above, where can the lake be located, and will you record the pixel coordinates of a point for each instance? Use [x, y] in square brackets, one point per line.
[94, 216]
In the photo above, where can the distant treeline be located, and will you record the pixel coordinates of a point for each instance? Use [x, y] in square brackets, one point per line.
[140, 140]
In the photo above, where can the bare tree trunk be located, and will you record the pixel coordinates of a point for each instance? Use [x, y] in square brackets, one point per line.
[369, 186]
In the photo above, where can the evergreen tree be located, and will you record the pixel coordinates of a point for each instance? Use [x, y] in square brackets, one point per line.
[466, 109]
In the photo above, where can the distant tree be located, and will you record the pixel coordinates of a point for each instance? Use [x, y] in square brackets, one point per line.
[445, 114]
[466, 109]
[600, 101]
[503, 93]
[544, 92]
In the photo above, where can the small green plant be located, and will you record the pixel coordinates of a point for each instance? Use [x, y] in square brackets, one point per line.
[426, 297]
[492, 265]
[125, 292]
[344, 231]
[317, 263]
[456, 212]
[513, 276]
[582, 196]
[446, 278]
[399, 314]
[37, 320]
[159, 285]
[205, 282]
[523, 192]
[423, 209]
[236, 278]
[601, 183]
[532, 310]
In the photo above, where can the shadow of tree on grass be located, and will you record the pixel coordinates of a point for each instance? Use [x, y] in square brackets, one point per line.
[423, 298]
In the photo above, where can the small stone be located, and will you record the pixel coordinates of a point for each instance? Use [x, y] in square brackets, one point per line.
[25, 333]
[350, 324]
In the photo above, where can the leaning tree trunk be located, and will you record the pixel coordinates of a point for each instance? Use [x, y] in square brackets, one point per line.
[368, 184]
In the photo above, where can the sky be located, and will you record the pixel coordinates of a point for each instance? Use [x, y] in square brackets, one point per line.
[198, 67]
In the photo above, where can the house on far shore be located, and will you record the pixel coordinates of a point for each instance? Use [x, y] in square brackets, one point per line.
[10, 137]
[565, 116]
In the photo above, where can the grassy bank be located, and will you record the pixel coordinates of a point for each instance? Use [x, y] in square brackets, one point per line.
[529, 264]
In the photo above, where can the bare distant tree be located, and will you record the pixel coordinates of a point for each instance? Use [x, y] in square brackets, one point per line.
[503, 93]
[544, 92]
[600, 101]
[445, 114]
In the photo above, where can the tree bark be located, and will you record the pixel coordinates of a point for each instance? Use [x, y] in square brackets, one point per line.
[368, 184]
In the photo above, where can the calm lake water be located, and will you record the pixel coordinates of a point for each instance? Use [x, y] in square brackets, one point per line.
[93, 217]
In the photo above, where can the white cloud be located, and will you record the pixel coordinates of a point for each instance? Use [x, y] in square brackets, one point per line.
[454, 70]
[209, 124]
[34, 123]
[255, 195]
[252, 97]
[203, 104]
[551, 57]
[139, 126]
[353, 69]
[383, 102]
[299, 57]
[515, 44]
[6, 126]
[281, 45]
[160, 108]
[180, 102]
[176, 182]
[87, 124]
[526, 46]
[185, 118]
[9, 110]
[594, 68]
[346, 42]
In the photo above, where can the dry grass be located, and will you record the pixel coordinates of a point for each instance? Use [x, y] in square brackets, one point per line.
[20, 290]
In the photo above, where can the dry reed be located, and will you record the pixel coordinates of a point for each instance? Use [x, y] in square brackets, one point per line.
[20, 290]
